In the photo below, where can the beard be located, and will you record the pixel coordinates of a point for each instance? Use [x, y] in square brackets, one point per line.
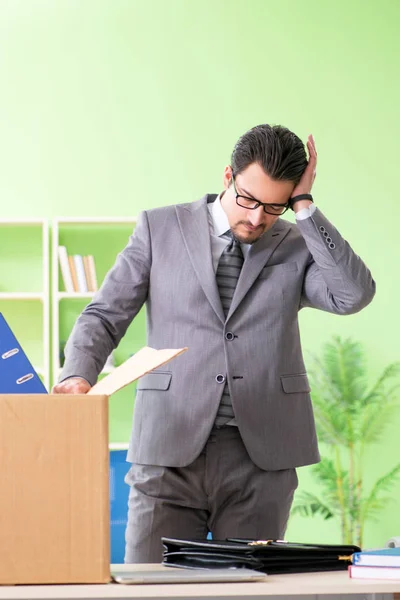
[248, 237]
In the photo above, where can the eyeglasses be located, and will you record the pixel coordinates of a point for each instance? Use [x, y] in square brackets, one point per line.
[252, 204]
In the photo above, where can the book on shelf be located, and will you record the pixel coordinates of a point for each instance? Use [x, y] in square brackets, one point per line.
[73, 272]
[87, 274]
[364, 572]
[78, 272]
[92, 271]
[65, 270]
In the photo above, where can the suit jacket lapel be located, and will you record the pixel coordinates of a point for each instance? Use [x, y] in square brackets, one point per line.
[257, 257]
[193, 221]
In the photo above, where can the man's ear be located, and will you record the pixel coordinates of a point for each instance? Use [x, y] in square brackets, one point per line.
[227, 180]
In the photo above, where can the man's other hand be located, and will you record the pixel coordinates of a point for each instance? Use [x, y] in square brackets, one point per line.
[306, 182]
[72, 385]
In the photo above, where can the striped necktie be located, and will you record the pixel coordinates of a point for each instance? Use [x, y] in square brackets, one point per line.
[227, 275]
[228, 271]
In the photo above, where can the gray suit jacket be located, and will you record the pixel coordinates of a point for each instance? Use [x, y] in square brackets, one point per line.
[167, 264]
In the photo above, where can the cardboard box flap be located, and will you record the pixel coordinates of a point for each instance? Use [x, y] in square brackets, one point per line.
[144, 361]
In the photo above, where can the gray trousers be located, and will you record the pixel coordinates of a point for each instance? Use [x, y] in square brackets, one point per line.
[222, 491]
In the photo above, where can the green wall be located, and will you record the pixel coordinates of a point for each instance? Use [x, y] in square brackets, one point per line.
[110, 107]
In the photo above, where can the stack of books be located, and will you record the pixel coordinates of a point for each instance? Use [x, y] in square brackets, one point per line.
[78, 272]
[376, 564]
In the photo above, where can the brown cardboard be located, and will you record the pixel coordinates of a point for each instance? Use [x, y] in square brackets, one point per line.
[54, 502]
[54, 481]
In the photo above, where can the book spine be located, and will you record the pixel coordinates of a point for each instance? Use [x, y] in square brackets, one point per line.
[359, 572]
[73, 273]
[65, 270]
[87, 274]
[92, 269]
[80, 273]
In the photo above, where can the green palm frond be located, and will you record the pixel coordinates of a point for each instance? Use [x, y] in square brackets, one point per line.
[338, 383]
[326, 470]
[331, 425]
[371, 513]
[374, 421]
[373, 502]
[321, 380]
[328, 476]
[308, 505]
[335, 425]
[379, 392]
[345, 363]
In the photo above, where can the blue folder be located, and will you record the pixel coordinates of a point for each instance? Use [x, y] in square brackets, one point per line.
[17, 376]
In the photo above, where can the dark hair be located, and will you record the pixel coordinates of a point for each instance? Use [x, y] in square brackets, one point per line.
[275, 148]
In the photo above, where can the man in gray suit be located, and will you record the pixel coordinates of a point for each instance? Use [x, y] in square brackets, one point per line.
[218, 433]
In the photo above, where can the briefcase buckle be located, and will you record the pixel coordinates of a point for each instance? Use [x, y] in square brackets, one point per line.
[266, 542]
[260, 543]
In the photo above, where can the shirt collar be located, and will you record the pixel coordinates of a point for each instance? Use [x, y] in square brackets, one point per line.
[219, 218]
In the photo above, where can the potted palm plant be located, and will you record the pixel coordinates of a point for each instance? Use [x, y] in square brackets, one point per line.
[350, 416]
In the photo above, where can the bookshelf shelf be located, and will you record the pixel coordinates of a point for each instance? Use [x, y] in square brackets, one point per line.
[96, 220]
[74, 295]
[22, 296]
[118, 446]
[22, 222]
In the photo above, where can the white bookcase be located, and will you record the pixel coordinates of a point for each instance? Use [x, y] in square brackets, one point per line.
[32, 295]
[102, 237]
[24, 287]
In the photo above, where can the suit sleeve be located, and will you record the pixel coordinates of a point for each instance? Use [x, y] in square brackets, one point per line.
[336, 279]
[105, 320]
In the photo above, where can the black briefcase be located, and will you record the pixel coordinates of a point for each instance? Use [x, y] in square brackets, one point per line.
[263, 555]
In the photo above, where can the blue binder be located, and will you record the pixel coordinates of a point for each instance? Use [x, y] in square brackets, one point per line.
[119, 492]
[17, 376]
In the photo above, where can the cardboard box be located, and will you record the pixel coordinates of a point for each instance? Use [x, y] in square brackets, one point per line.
[54, 480]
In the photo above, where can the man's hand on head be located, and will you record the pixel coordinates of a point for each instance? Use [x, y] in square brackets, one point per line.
[307, 179]
[72, 385]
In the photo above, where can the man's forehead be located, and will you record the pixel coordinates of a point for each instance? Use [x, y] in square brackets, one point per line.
[257, 187]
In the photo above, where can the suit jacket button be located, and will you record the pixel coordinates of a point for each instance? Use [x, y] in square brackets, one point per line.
[220, 378]
[229, 336]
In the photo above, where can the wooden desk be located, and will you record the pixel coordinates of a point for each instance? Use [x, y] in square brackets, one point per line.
[308, 585]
